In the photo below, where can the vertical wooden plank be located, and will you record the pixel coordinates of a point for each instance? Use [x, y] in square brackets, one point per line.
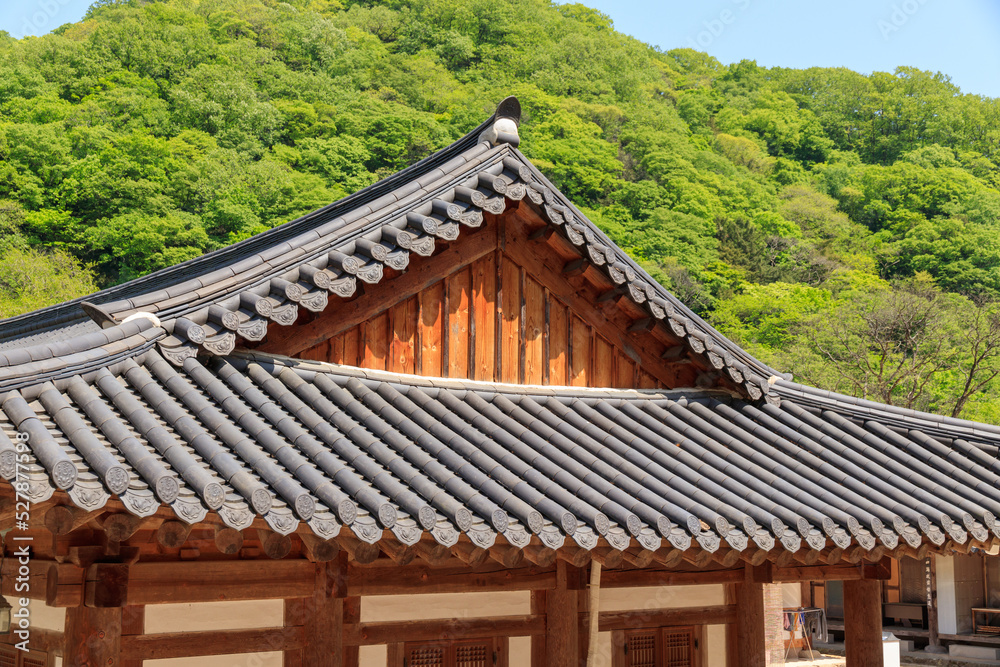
[133, 624]
[430, 329]
[604, 362]
[750, 625]
[732, 636]
[624, 371]
[510, 323]
[580, 353]
[403, 326]
[646, 381]
[459, 299]
[503, 652]
[337, 349]
[295, 616]
[618, 657]
[534, 325]
[93, 635]
[352, 356]
[376, 345]
[863, 622]
[558, 343]
[352, 615]
[484, 311]
[396, 655]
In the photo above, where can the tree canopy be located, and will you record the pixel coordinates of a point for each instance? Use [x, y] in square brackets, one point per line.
[795, 209]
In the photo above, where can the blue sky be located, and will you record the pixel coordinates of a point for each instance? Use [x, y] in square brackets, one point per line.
[958, 37]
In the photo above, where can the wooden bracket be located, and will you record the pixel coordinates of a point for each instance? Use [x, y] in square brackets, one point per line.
[542, 233]
[575, 268]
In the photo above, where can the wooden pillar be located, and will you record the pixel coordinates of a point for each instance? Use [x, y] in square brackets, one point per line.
[732, 637]
[930, 586]
[93, 636]
[750, 644]
[562, 619]
[863, 622]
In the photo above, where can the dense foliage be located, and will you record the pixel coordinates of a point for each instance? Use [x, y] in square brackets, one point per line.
[840, 226]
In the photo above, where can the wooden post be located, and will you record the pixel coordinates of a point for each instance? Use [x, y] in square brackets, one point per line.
[750, 648]
[930, 583]
[732, 636]
[863, 622]
[93, 636]
[562, 625]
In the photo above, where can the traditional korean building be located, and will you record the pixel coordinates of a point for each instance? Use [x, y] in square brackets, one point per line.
[444, 421]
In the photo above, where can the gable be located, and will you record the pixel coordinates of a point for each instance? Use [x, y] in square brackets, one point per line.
[497, 306]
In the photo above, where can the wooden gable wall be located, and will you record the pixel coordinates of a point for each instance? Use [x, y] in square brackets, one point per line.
[495, 305]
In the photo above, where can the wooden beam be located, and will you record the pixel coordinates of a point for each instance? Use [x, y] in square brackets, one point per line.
[121, 526]
[210, 642]
[634, 578]
[878, 571]
[459, 578]
[371, 634]
[93, 636]
[210, 581]
[623, 620]
[362, 552]
[317, 549]
[863, 623]
[228, 540]
[63, 519]
[172, 534]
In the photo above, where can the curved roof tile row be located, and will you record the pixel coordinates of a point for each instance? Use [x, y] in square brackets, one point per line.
[303, 442]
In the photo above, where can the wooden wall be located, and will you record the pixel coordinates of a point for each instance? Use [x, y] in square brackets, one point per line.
[489, 320]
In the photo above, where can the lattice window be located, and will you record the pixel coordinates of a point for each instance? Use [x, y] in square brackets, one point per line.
[642, 649]
[677, 648]
[657, 647]
[426, 656]
[12, 657]
[474, 653]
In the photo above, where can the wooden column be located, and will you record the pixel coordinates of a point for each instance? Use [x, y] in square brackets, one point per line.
[562, 624]
[930, 586]
[863, 622]
[732, 636]
[750, 649]
[93, 636]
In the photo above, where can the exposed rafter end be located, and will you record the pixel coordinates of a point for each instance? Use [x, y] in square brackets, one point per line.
[542, 233]
[575, 267]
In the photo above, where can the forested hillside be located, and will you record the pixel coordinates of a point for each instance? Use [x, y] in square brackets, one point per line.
[842, 227]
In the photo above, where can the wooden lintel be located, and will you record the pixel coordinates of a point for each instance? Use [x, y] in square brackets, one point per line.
[760, 574]
[623, 620]
[876, 571]
[211, 642]
[419, 578]
[633, 578]
[369, 634]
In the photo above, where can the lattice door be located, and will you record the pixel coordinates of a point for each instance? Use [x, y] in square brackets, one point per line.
[658, 647]
[474, 655]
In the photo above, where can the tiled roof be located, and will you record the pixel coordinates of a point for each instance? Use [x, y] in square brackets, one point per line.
[292, 441]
